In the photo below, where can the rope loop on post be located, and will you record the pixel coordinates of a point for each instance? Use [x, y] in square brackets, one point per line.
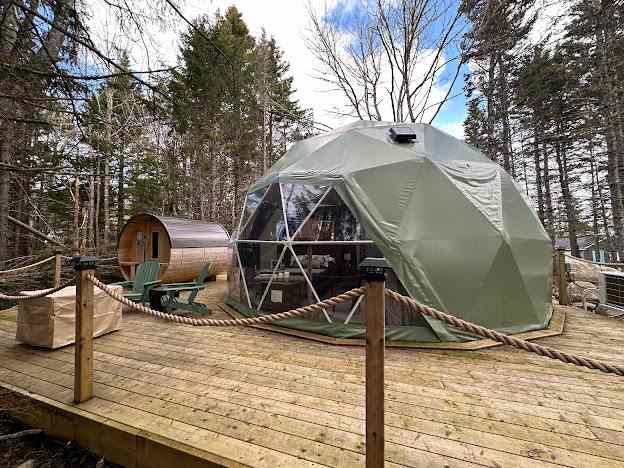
[505, 339]
[294, 313]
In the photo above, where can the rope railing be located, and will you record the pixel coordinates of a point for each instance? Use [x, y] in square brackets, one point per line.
[28, 267]
[294, 313]
[505, 339]
[356, 292]
[37, 295]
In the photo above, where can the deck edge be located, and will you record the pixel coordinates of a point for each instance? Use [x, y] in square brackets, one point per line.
[117, 442]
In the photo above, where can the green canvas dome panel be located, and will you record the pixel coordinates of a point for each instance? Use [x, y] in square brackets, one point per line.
[404, 176]
[480, 183]
[532, 255]
[453, 225]
[333, 160]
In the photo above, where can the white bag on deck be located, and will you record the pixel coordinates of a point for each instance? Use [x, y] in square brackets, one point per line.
[50, 321]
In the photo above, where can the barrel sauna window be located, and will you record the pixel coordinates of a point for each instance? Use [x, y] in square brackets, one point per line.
[155, 244]
[181, 246]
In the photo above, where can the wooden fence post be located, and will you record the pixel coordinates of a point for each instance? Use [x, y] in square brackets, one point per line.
[374, 274]
[562, 277]
[83, 368]
[57, 269]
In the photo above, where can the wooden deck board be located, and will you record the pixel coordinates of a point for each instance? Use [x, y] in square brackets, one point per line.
[250, 397]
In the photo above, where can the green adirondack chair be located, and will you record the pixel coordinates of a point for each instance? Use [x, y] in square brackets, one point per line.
[145, 279]
[171, 300]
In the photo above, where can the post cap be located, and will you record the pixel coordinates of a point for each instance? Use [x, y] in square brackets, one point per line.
[374, 269]
[84, 263]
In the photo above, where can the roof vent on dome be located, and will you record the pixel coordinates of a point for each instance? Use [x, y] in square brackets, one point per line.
[402, 134]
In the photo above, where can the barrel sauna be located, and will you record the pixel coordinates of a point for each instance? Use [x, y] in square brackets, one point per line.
[181, 246]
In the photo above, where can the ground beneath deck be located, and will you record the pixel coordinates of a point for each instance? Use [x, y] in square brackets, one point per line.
[252, 397]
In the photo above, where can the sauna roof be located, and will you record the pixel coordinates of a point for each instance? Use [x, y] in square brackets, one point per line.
[190, 233]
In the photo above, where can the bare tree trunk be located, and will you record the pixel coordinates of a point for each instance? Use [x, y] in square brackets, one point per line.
[567, 198]
[91, 230]
[491, 117]
[614, 192]
[106, 162]
[5, 181]
[603, 213]
[76, 197]
[17, 229]
[212, 181]
[594, 198]
[550, 216]
[507, 151]
[538, 174]
[98, 198]
[121, 191]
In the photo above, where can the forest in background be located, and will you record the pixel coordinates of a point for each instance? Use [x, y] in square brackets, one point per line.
[88, 138]
[552, 113]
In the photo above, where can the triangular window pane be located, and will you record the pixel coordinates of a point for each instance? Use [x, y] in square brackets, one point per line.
[258, 261]
[332, 221]
[299, 201]
[234, 278]
[251, 203]
[267, 222]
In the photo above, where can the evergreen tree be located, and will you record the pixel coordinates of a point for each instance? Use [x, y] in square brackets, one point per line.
[474, 125]
[498, 26]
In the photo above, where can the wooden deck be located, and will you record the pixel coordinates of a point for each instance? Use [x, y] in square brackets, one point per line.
[170, 395]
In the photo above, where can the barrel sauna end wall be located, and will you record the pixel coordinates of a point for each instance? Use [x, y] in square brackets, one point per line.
[181, 246]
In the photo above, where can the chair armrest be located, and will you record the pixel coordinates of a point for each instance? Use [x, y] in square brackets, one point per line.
[175, 287]
[151, 284]
[123, 284]
[194, 287]
[179, 285]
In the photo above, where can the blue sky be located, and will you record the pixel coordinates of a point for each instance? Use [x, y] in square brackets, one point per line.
[346, 13]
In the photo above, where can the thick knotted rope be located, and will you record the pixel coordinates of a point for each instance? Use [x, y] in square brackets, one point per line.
[27, 267]
[42, 293]
[294, 313]
[505, 339]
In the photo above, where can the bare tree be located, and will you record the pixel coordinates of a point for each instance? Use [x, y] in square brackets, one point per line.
[387, 59]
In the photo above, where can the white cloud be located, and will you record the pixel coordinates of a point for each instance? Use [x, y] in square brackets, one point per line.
[287, 21]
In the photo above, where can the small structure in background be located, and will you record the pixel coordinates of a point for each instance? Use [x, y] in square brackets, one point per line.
[181, 246]
[600, 252]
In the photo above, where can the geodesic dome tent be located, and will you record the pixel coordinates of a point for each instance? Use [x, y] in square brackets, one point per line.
[457, 232]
